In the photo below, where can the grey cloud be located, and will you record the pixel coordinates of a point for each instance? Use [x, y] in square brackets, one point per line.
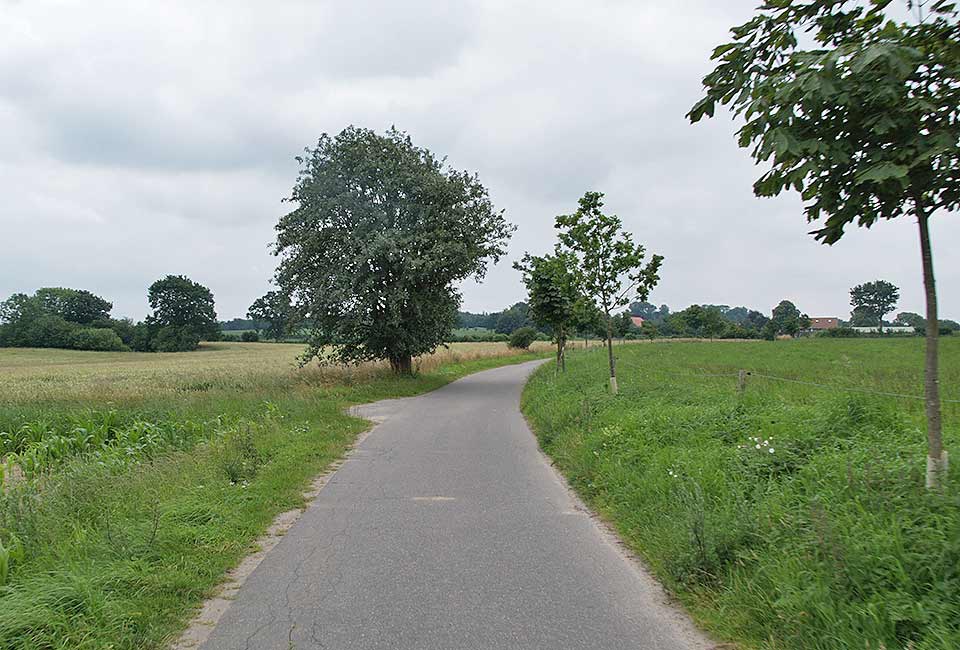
[144, 139]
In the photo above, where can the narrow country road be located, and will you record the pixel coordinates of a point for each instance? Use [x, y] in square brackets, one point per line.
[447, 529]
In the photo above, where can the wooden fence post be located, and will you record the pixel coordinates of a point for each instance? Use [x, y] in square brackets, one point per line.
[741, 381]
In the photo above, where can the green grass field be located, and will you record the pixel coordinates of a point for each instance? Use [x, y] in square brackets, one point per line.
[135, 481]
[791, 516]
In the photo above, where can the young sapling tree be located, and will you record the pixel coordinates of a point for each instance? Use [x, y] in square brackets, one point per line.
[861, 116]
[611, 270]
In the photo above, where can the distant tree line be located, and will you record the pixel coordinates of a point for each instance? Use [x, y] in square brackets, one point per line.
[698, 321]
[55, 317]
[240, 324]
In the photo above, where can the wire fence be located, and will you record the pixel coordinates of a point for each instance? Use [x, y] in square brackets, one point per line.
[741, 374]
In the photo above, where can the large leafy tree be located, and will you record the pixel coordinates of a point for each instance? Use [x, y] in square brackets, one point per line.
[183, 314]
[513, 318]
[864, 123]
[910, 319]
[705, 321]
[877, 299]
[59, 318]
[553, 294]
[611, 270]
[74, 305]
[787, 319]
[272, 313]
[381, 233]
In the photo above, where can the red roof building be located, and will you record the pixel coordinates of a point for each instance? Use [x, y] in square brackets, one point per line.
[824, 323]
[637, 320]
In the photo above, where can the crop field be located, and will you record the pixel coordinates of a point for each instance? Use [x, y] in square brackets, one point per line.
[787, 516]
[133, 481]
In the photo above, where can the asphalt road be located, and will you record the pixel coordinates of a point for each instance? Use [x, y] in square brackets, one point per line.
[446, 528]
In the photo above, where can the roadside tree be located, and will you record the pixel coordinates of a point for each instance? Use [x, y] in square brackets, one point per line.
[610, 269]
[553, 294]
[864, 125]
[381, 233]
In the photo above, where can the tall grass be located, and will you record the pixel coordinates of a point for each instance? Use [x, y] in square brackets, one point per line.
[790, 516]
[138, 480]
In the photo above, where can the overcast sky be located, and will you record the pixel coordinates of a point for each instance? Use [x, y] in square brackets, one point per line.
[139, 139]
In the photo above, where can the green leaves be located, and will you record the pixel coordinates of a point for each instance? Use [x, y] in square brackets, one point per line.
[874, 300]
[882, 172]
[381, 233]
[705, 106]
[610, 269]
[864, 125]
[553, 291]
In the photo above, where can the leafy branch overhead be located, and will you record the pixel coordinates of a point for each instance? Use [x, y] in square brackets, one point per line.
[863, 124]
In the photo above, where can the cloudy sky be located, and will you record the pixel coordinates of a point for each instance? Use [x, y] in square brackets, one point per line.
[139, 139]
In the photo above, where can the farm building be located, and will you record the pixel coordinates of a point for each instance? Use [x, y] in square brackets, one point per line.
[637, 320]
[818, 324]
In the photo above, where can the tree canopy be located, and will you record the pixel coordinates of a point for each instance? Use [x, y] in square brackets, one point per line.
[59, 318]
[380, 233]
[787, 319]
[705, 321]
[874, 300]
[272, 313]
[864, 124]
[74, 305]
[183, 314]
[553, 294]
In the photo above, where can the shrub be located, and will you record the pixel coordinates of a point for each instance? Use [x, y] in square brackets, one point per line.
[250, 336]
[92, 338]
[240, 458]
[175, 339]
[229, 337]
[40, 330]
[522, 338]
[840, 333]
[124, 328]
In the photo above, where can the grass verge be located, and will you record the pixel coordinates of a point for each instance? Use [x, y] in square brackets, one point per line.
[114, 548]
[788, 517]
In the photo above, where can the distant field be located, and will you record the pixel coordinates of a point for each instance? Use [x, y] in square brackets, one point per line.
[34, 376]
[133, 481]
[827, 542]
[463, 331]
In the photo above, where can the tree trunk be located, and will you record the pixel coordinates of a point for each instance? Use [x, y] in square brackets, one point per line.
[561, 350]
[936, 456]
[559, 353]
[613, 366]
[402, 364]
